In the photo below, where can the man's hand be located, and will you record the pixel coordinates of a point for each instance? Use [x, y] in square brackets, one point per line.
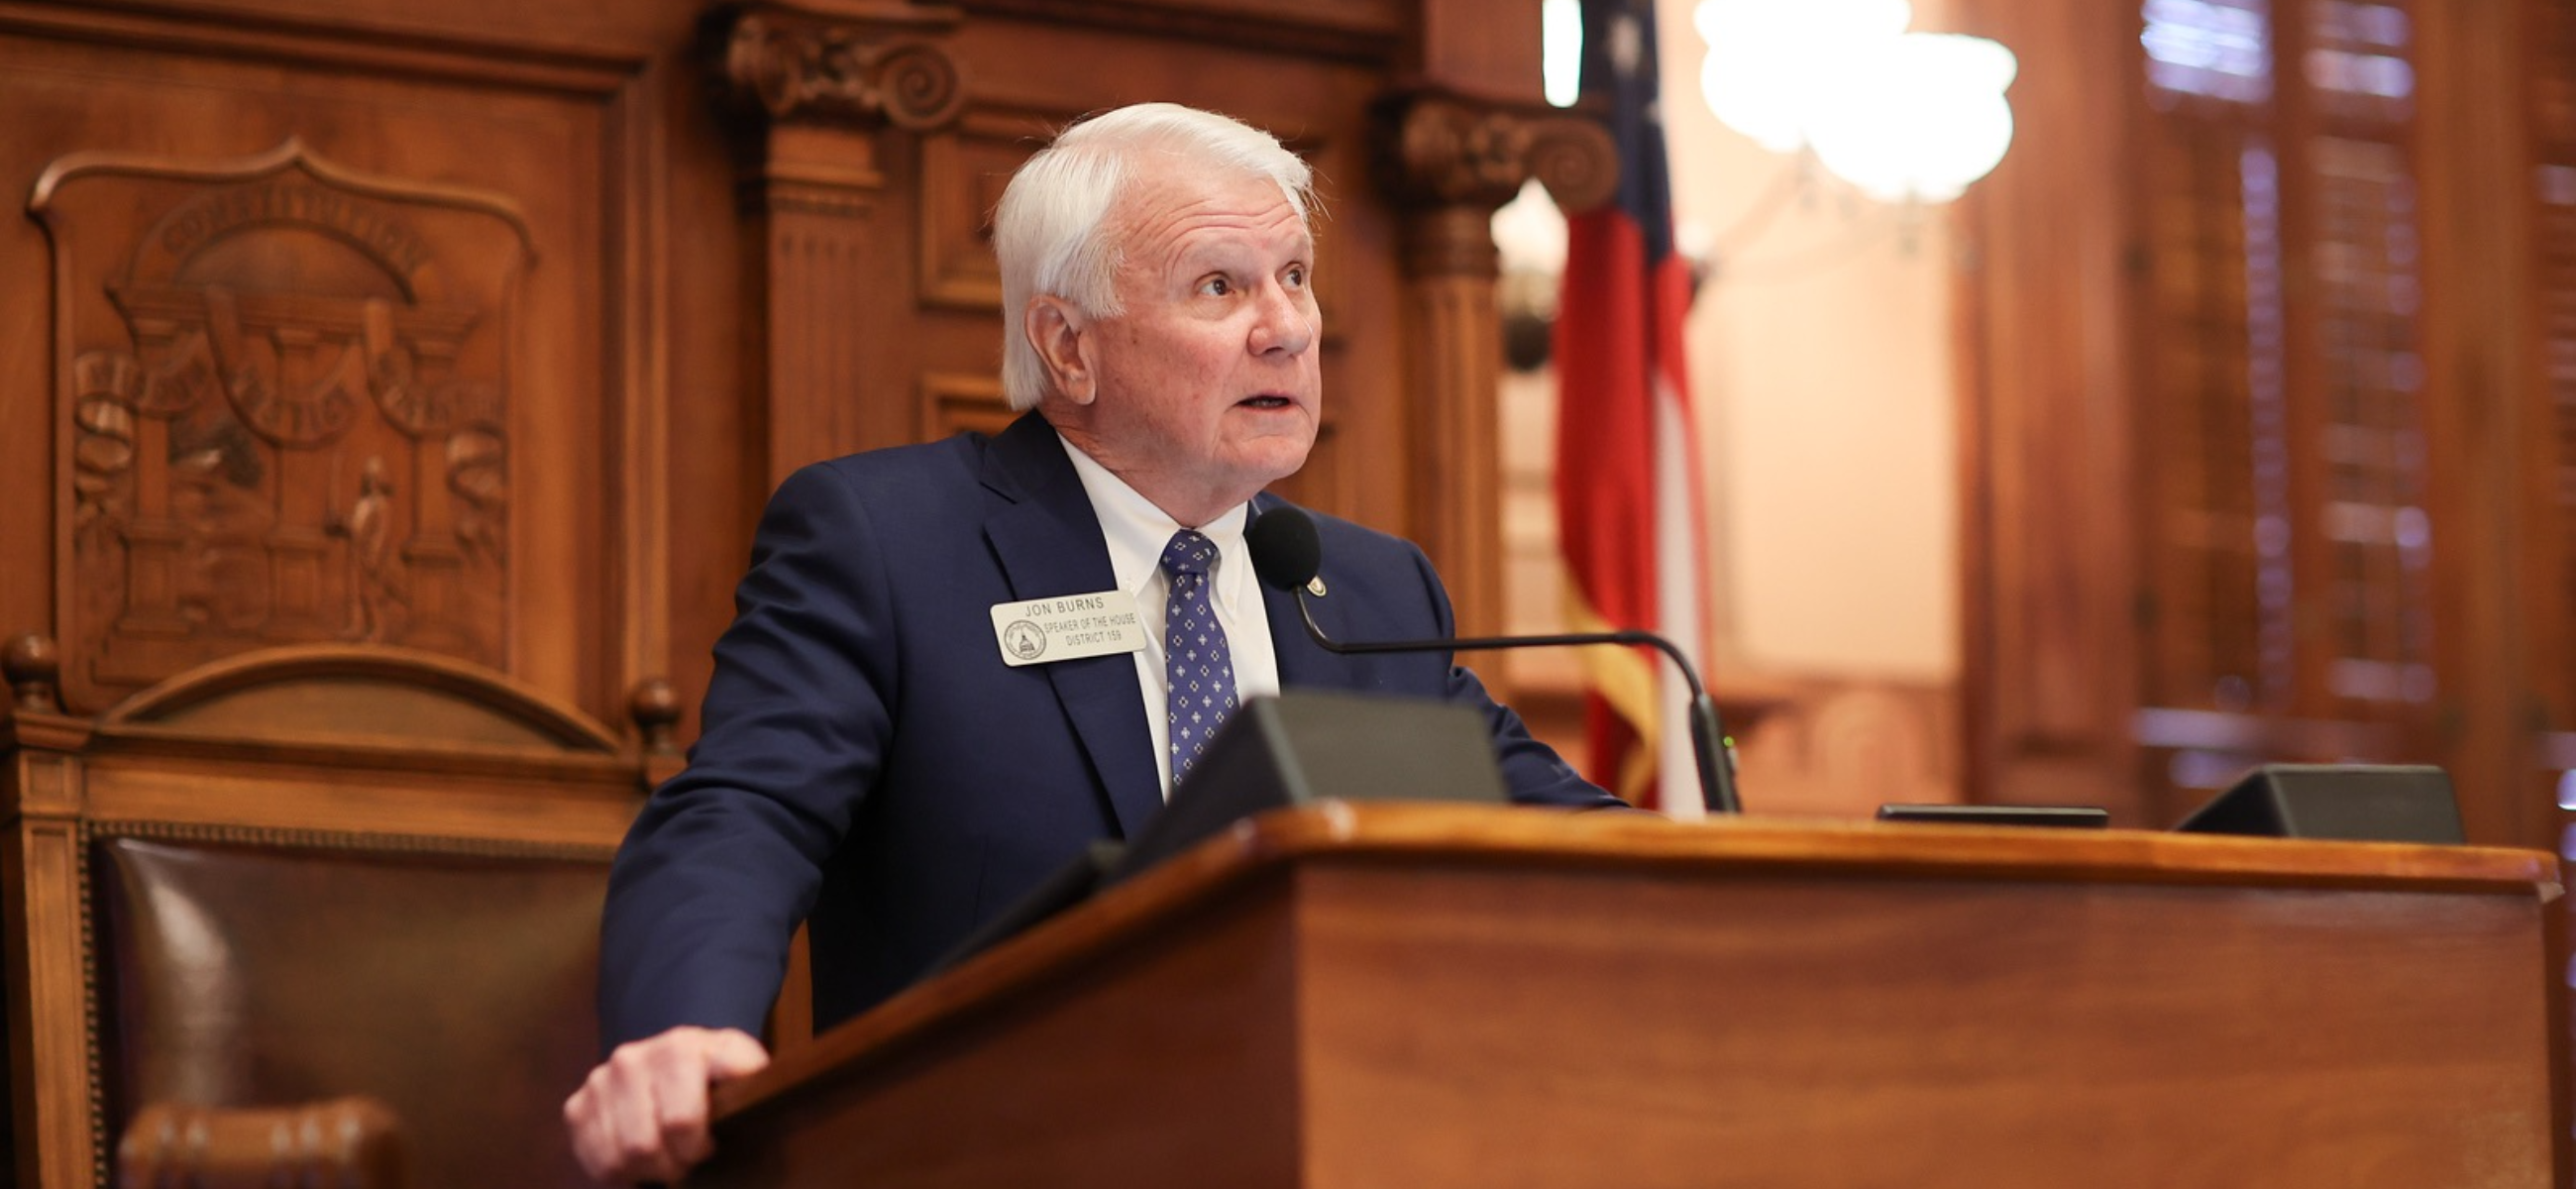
[642, 1114]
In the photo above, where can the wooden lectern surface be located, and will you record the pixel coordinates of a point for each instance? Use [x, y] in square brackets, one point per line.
[1425, 996]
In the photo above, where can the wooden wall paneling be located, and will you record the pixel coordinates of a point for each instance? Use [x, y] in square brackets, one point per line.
[964, 169]
[379, 247]
[957, 267]
[2050, 643]
[1488, 48]
[2489, 430]
[2280, 431]
[2549, 58]
[2201, 552]
[717, 471]
[2290, 137]
[2310, 404]
[953, 403]
[638, 329]
[2363, 631]
[1346, 473]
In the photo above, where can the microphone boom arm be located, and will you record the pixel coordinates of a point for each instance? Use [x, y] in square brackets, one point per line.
[1715, 752]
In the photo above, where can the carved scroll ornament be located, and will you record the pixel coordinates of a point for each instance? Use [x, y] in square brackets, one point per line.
[853, 64]
[1452, 161]
[1446, 150]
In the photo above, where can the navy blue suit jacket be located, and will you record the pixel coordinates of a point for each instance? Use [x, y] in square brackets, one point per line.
[868, 761]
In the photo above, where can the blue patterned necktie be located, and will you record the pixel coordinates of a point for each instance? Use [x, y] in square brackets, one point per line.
[1196, 663]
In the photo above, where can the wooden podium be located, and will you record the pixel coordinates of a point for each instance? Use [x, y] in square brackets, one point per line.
[1419, 996]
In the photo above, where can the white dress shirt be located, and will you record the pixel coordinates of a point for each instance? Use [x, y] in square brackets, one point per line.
[1137, 531]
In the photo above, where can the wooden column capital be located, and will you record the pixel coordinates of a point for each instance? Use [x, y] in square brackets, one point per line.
[858, 66]
[1451, 160]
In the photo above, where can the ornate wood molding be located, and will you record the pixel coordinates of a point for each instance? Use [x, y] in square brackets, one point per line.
[856, 65]
[1442, 152]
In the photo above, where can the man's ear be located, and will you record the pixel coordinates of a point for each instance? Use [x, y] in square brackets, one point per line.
[1060, 332]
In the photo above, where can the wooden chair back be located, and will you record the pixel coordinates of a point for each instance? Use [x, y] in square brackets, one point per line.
[304, 874]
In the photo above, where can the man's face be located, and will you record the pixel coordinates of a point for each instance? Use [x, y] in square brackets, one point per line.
[1206, 388]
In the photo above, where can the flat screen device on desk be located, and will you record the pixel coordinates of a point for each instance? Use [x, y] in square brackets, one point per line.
[2082, 817]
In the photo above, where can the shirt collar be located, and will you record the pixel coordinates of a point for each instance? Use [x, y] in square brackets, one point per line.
[1137, 531]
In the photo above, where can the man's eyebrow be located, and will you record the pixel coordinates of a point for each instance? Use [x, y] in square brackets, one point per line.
[1198, 253]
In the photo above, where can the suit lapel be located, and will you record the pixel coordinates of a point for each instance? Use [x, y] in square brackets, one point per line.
[1050, 544]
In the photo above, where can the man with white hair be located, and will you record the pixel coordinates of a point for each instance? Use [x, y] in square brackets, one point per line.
[887, 758]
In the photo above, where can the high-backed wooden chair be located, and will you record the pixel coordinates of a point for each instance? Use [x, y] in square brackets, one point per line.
[303, 874]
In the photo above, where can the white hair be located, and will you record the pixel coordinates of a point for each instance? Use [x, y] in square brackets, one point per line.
[1051, 232]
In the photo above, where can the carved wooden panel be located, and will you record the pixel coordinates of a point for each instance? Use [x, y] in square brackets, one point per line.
[323, 334]
[286, 415]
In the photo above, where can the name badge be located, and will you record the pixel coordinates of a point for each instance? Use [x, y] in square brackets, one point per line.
[1069, 628]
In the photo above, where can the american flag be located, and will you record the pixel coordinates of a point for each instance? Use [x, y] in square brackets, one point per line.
[1627, 476]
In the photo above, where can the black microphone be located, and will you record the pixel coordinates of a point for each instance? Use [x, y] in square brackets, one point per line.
[1286, 554]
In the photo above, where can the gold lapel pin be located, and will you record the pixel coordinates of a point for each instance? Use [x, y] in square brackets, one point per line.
[1315, 586]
